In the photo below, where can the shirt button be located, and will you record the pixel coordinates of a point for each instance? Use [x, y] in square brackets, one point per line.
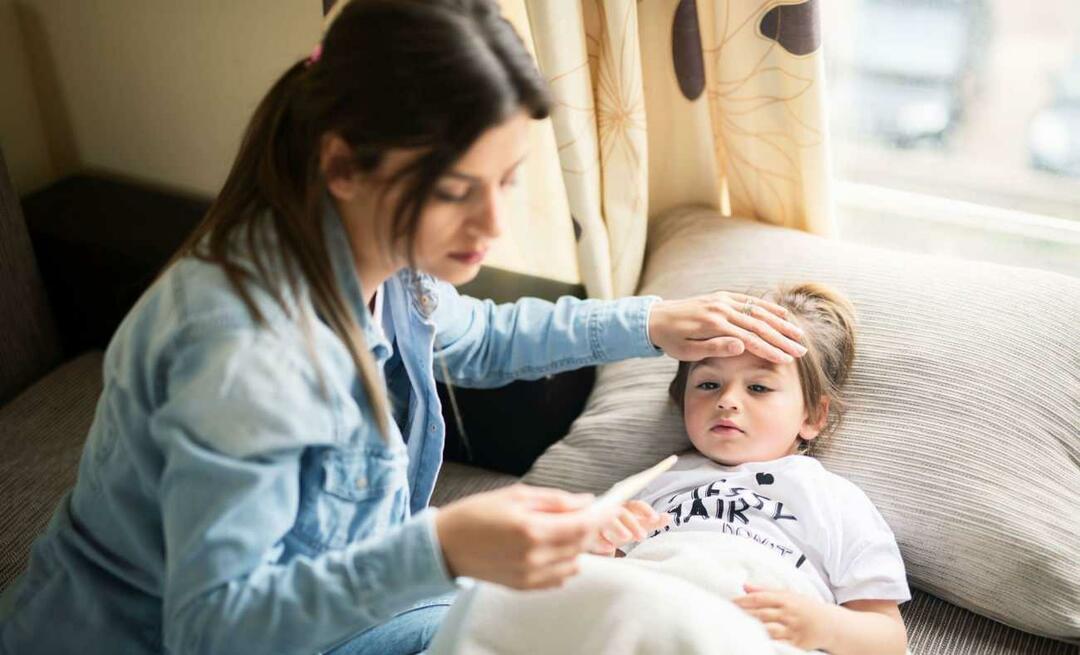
[432, 427]
[361, 483]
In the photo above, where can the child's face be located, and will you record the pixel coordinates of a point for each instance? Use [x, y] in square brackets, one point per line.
[762, 400]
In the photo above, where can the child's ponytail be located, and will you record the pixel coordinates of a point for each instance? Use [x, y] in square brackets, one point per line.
[828, 320]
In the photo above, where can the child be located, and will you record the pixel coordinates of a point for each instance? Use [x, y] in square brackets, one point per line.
[754, 424]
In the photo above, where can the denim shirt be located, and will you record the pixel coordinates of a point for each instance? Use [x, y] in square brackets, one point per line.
[234, 493]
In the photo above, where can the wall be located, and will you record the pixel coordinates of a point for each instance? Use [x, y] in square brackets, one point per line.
[160, 91]
[22, 135]
[154, 90]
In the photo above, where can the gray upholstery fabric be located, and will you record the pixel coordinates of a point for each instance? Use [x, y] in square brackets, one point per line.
[41, 436]
[459, 480]
[965, 408]
[28, 341]
[938, 628]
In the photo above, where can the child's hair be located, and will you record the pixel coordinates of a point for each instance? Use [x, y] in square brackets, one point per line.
[828, 321]
[389, 74]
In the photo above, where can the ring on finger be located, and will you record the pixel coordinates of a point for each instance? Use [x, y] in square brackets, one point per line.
[748, 308]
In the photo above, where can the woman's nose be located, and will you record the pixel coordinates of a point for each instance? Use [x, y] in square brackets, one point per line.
[490, 217]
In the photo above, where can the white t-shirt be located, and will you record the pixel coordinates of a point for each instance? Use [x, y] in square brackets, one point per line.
[821, 523]
[377, 312]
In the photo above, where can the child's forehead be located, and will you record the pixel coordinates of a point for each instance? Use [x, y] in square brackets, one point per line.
[747, 361]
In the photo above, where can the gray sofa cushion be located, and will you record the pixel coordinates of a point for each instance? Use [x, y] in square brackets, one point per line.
[41, 437]
[460, 480]
[965, 408]
[28, 342]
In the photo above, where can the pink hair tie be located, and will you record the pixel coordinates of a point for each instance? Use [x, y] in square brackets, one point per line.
[316, 54]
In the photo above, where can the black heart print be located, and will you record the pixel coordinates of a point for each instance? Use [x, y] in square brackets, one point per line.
[765, 478]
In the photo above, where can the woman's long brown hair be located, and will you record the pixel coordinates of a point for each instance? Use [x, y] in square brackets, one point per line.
[425, 74]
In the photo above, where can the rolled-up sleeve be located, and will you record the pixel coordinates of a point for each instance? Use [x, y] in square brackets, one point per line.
[487, 344]
[240, 411]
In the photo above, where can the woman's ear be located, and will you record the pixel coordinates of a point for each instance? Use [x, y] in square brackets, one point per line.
[337, 164]
[812, 428]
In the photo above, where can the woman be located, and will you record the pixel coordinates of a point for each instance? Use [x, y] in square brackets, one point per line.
[257, 475]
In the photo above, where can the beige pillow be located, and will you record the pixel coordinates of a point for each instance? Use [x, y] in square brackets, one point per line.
[964, 426]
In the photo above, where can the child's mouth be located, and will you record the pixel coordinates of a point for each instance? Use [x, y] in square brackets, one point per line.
[725, 429]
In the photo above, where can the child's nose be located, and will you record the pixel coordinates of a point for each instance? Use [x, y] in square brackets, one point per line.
[728, 398]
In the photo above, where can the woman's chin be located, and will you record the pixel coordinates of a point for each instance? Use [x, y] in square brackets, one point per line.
[455, 272]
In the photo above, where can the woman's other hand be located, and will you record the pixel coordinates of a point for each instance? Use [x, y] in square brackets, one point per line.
[724, 324]
[633, 522]
[519, 536]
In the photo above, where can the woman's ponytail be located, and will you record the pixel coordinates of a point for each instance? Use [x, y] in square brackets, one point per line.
[275, 175]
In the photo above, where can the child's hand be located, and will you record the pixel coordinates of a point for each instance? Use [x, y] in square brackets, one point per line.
[633, 522]
[787, 616]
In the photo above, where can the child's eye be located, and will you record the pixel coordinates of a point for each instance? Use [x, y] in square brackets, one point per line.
[758, 388]
[707, 386]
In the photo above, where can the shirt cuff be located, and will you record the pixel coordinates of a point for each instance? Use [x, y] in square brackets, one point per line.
[653, 348]
[413, 566]
[619, 329]
[427, 517]
[898, 592]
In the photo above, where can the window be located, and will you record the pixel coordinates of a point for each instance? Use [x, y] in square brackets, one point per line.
[956, 126]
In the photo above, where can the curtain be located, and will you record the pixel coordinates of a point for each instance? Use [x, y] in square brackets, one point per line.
[662, 103]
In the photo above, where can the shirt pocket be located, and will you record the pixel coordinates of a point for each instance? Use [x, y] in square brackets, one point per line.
[351, 494]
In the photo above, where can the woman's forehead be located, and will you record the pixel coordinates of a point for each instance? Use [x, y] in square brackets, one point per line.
[497, 149]
[491, 156]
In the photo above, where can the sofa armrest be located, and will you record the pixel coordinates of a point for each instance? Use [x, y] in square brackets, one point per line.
[99, 243]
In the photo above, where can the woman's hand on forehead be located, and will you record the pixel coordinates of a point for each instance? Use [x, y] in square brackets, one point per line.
[724, 324]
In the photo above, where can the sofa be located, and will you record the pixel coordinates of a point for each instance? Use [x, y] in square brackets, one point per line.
[55, 327]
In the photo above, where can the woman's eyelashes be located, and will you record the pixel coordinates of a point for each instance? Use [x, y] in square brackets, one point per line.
[468, 193]
[453, 195]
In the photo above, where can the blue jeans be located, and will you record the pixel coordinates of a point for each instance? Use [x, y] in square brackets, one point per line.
[407, 633]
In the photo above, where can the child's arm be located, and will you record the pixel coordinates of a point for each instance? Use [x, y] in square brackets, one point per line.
[866, 626]
[856, 627]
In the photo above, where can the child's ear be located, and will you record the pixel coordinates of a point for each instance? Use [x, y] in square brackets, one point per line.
[811, 429]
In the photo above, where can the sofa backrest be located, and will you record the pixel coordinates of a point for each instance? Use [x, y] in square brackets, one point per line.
[28, 343]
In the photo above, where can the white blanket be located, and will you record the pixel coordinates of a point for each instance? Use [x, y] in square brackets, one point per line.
[671, 595]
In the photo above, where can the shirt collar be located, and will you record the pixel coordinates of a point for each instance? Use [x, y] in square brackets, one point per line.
[341, 261]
